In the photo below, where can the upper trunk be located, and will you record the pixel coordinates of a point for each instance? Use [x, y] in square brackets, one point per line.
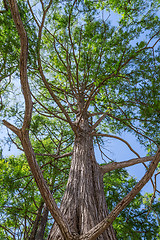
[83, 204]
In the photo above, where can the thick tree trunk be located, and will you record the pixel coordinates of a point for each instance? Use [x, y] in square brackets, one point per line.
[84, 204]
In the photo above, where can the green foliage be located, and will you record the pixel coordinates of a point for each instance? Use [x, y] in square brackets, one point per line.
[19, 195]
[9, 45]
[81, 49]
[96, 49]
[86, 57]
[19, 199]
[137, 220]
[9, 41]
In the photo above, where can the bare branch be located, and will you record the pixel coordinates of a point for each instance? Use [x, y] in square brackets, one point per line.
[18, 147]
[47, 85]
[95, 91]
[42, 5]
[95, 114]
[59, 56]
[70, 105]
[70, 77]
[50, 112]
[131, 127]
[102, 153]
[11, 127]
[72, 45]
[6, 229]
[55, 98]
[32, 13]
[119, 138]
[99, 120]
[55, 155]
[23, 64]
[24, 136]
[116, 165]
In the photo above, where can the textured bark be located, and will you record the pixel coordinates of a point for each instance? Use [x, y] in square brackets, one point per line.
[23, 133]
[36, 222]
[100, 227]
[84, 204]
[42, 225]
[117, 165]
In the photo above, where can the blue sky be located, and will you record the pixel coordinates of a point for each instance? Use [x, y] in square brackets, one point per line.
[118, 151]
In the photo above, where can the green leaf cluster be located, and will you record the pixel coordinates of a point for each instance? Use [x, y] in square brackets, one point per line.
[137, 220]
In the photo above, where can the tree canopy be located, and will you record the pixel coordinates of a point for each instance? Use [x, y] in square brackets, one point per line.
[68, 69]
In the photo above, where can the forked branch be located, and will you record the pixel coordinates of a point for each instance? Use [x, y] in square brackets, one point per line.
[23, 134]
[46, 83]
[11, 127]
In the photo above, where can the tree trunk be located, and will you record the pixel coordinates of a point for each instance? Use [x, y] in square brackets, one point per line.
[36, 222]
[83, 204]
[42, 225]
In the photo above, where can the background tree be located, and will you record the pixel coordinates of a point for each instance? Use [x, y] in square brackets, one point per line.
[97, 78]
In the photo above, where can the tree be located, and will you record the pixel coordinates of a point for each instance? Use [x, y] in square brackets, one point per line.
[97, 78]
[23, 214]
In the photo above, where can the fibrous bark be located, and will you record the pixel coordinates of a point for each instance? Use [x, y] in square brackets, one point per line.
[83, 204]
[42, 225]
[36, 222]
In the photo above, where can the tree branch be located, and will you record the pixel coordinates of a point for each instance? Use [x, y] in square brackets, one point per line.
[44, 189]
[11, 127]
[45, 80]
[116, 165]
[24, 133]
[93, 93]
[23, 64]
[42, 225]
[72, 46]
[6, 229]
[32, 13]
[99, 120]
[50, 112]
[121, 139]
[131, 127]
[55, 98]
[55, 156]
